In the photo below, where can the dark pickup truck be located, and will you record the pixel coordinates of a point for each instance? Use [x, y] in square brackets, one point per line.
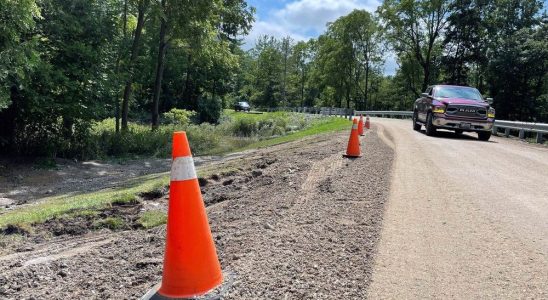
[457, 108]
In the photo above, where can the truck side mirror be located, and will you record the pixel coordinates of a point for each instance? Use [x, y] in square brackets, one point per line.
[425, 95]
[489, 100]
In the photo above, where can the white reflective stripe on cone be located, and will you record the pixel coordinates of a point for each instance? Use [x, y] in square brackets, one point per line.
[355, 126]
[182, 168]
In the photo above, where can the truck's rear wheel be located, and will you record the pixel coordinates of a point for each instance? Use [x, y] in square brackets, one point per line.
[458, 132]
[416, 126]
[430, 128]
[484, 135]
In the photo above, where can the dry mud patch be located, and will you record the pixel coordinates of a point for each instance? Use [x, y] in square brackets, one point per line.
[293, 221]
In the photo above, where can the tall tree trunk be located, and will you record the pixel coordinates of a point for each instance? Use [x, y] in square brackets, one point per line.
[133, 58]
[366, 90]
[186, 87]
[347, 96]
[426, 69]
[284, 94]
[118, 62]
[302, 87]
[162, 48]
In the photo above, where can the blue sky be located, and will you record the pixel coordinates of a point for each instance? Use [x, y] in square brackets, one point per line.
[304, 19]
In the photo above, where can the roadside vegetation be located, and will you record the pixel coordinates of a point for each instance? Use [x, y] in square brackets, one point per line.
[234, 131]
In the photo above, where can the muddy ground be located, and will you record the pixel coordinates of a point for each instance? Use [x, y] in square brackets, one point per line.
[294, 221]
[24, 181]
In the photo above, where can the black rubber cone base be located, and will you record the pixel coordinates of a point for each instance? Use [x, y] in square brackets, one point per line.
[157, 296]
[351, 156]
[215, 294]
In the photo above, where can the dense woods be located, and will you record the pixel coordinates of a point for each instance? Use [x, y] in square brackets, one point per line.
[65, 65]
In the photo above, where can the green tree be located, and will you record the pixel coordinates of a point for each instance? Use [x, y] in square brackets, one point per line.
[69, 86]
[17, 20]
[267, 72]
[416, 27]
[348, 54]
[465, 42]
[142, 7]
[518, 60]
[17, 59]
[195, 24]
[300, 59]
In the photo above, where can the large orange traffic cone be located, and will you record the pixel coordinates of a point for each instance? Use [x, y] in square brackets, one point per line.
[191, 266]
[367, 123]
[353, 149]
[360, 126]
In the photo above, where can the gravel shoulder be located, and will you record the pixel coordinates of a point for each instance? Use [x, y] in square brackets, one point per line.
[465, 219]
[293, 221]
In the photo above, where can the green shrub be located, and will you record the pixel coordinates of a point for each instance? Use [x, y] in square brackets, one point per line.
[179, 116]
[203, 138]
[244, 127]
[209, 109]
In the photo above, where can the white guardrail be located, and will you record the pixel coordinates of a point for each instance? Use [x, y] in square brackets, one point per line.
[521, 127]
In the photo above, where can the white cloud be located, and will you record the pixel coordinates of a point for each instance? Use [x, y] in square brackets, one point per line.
[304, 19]
[313, 15]
[261, 28]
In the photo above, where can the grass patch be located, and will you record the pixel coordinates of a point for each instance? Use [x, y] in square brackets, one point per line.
[324, 126]
[112, 223]
[152, 218]
[157, 191]
[124, 198]
[72, 203]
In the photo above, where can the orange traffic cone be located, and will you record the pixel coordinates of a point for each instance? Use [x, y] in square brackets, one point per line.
[191, 266]
[353, 149]
[367, 123]
[360, 126]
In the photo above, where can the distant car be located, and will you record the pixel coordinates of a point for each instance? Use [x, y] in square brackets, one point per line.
[457, 108]
[242, 106]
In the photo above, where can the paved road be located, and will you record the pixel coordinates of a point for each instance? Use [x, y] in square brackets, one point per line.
[465, 219]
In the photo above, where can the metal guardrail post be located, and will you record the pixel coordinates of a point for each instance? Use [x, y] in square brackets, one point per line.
[507, 132]
[521, 134]
[539, 137]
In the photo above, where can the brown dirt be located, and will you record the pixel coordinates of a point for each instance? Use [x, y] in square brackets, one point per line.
[294, 221]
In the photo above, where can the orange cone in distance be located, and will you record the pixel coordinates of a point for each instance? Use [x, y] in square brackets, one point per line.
[360, 126]
[367, 123]
[353, 149]
[191, 266]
